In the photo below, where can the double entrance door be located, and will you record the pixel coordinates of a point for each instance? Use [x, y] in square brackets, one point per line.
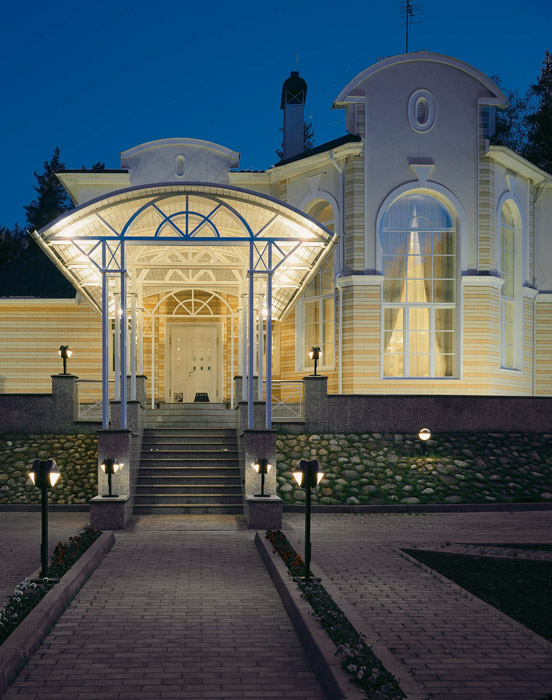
[193, 367]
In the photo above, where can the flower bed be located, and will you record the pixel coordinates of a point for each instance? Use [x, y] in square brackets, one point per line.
[357, 658]
[27, 595]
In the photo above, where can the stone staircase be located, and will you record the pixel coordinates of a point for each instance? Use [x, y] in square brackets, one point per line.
[189, 462]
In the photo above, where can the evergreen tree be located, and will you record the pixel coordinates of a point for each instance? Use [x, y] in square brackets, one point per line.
[13, 243]
[308, 139]
[52, 199]
[510, 129]
[539, 120]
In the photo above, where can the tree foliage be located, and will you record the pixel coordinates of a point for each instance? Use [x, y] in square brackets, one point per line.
[52, 198]
[539, 120]
[308, 139]
[525, 125]
[13, 243]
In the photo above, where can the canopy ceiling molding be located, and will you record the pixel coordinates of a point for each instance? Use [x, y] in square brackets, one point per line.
[190, 235]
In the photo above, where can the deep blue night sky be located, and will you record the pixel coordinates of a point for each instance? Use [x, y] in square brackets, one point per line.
[101, 77]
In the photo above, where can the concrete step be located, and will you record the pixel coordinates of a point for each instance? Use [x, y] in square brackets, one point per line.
[188, 453]
[191, 462]
[190, 470]
[184, 499]
[173, 442]
[190, 509]
[203, 480]
[199, 406]
[185, 432]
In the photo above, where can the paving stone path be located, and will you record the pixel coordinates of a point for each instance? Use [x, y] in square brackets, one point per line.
[172, 614]
[453, 646]
[20, 536]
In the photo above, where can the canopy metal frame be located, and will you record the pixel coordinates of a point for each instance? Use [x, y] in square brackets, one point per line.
[213, 237]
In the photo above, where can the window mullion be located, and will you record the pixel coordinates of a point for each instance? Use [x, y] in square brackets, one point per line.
[406, 340]
[431, 341]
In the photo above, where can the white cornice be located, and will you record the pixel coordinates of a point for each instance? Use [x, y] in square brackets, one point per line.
[318, 160]
[513, 161]
[482, 281]
[529, 292]
[360, 281]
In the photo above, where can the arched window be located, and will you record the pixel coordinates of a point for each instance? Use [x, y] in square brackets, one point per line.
[418, 238]
[509, 241]
[315, 319]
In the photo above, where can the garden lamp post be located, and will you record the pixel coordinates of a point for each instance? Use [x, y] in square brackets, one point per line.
[110, 466]
[262, 467]
[64, 352]
[424, 435]
[44, 474]
[308, 474]
[315, 354]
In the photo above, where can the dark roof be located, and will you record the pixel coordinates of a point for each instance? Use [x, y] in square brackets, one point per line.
[328, 146]
[34, 275]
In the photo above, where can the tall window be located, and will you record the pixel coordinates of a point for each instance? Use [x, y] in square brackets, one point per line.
[316, 317]
[418, 239]
[507, 296]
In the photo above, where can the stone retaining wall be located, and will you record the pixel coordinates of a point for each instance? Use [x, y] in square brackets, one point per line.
[377, 469]
[76, 457]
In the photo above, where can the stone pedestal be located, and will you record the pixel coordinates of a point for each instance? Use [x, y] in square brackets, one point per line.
[115, 444]
[238, 388]
[264, 513]
[64, 389]
[135, 415]
[316, 403]
[110, 513]
[259, 416]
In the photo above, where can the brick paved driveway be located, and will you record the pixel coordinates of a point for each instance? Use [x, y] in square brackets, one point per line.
[453, 646]
[172, 614]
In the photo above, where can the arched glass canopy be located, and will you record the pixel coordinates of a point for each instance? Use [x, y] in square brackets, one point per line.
[163, 237]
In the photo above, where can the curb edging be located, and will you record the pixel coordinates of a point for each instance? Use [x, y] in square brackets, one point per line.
[319, 648]
[22, 643]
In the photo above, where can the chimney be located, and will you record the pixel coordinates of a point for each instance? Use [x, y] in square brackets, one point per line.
[294, 95]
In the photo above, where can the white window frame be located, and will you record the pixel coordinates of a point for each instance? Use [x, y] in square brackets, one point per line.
[433, 306]
[510, 201]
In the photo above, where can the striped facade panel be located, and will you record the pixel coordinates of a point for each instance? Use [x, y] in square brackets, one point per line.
[30, 336]
[544, 348]
[486, 213]
[282, 193]
[354, 214]
[361, 338]
[287, 355]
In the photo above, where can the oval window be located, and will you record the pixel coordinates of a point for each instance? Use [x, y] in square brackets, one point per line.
[179, 165]
[421, 110]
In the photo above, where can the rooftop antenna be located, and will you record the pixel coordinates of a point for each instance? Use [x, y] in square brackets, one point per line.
[409, 10]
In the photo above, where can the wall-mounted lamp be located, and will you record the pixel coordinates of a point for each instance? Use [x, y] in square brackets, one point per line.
[44, 474]
[315, 354]
[424, 435]
[262, 467]
[64, 352]
[110, 466]
[308, 475]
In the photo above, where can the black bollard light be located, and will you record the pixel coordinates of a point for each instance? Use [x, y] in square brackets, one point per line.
[308, 475]
[315, 354]
[110, 466]
[65, 352]
[262, 467]
[44, 474]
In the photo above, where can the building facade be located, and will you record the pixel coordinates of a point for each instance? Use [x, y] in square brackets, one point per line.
[414, 253]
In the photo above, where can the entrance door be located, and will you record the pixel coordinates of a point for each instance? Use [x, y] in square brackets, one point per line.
[193, 368]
